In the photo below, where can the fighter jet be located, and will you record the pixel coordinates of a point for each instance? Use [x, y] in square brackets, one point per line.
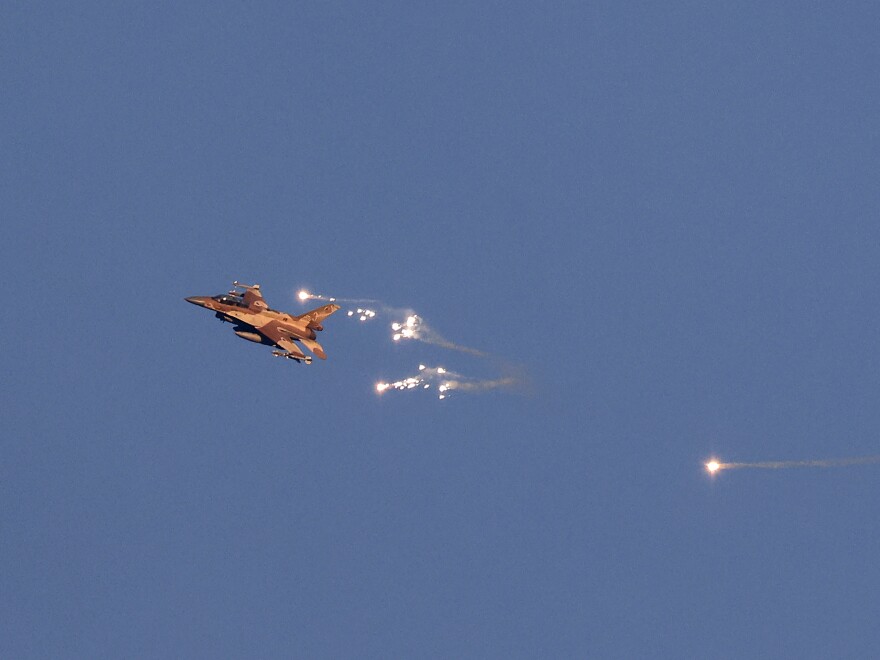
[254, 321]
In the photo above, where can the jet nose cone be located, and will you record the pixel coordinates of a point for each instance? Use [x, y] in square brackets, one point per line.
[195, 300]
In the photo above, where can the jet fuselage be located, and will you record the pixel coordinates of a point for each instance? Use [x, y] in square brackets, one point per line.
[255, 319]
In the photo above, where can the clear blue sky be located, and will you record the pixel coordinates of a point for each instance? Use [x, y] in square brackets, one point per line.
[666, 213]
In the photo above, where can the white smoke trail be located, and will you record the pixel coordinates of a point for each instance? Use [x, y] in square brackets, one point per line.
[305, 295]
[445, 381]
[414, 327]
[716, 466]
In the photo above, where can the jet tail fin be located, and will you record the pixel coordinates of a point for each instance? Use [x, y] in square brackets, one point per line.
[316, 316]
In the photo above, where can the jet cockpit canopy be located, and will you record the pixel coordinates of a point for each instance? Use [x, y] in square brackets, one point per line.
[230, 299]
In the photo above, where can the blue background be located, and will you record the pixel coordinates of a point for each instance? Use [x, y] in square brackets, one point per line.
[666, 213]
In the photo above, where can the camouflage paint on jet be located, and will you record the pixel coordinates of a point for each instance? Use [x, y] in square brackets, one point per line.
[255, 321]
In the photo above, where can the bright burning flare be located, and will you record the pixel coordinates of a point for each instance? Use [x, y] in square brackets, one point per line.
[409, 329]
[713, 466]
[304, 295]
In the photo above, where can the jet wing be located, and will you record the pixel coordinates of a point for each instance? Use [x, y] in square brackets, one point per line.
[282, 340]
[290, 346]
[314, 347]
[314, 317]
